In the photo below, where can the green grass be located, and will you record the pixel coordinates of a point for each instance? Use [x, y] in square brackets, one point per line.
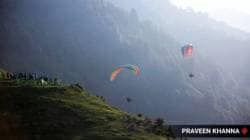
[29, 110]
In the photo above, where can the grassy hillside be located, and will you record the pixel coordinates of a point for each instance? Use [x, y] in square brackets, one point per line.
[30, 110]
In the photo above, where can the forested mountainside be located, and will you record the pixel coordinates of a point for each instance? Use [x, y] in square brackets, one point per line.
[84, 40]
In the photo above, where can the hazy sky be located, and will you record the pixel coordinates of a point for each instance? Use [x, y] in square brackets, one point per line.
[234, 12]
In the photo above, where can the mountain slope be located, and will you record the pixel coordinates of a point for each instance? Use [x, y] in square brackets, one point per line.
[85, 40]
[29, 110]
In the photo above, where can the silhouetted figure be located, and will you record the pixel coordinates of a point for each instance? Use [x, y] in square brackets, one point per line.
[56, 81]
[20, 76]
[128, 99]
[24, 76]
[139, 115]
[12, 76]
[46, 78]
[159, 122]
[191, 75]
[8, 76]
[30, 76]
[15, 76]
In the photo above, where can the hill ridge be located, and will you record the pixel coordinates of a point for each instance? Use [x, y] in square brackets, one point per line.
[35, 111]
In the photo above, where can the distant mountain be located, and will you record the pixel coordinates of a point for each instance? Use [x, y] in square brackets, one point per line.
[221, 49]
[181, 23]
[235, 18]
[85, 40]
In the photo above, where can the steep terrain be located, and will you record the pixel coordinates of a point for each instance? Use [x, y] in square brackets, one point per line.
[85, 40]
[29, 110]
